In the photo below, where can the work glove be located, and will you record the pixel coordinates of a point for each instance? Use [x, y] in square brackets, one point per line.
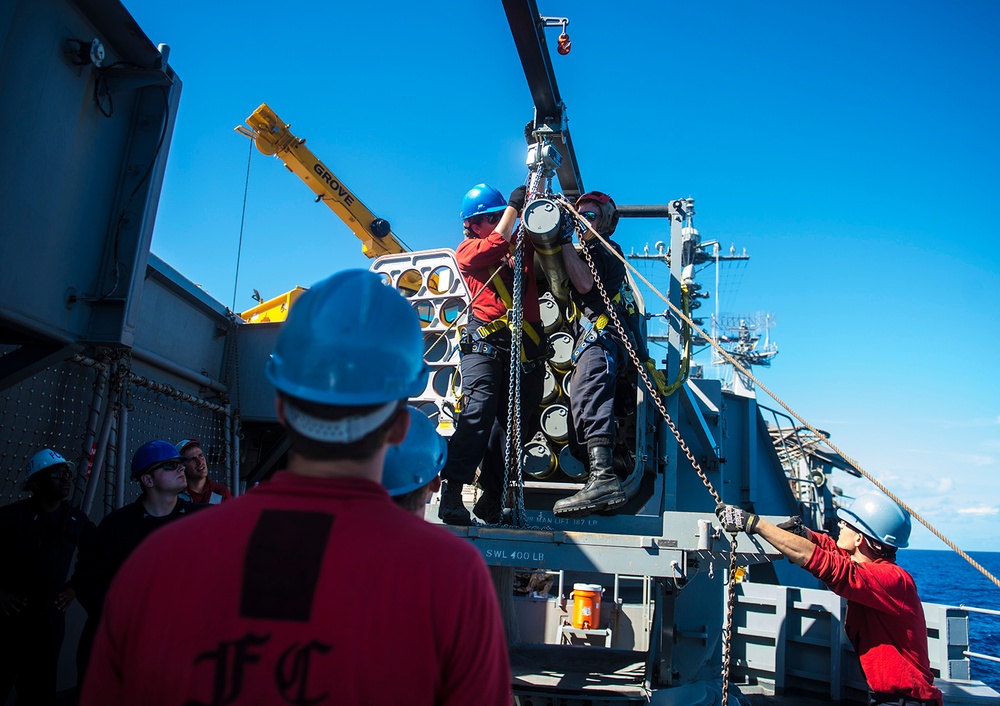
[795, 526]
[735, 519]
[517, 198]
[567, 227]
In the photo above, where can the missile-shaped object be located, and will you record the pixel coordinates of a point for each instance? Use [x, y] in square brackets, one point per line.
[543, 221]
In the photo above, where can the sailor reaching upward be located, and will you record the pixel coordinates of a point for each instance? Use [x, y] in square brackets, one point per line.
[488, 220]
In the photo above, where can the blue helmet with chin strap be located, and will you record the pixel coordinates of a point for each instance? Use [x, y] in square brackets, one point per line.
[350, 341]
[482, 199]
[875, 515]
[417, 461]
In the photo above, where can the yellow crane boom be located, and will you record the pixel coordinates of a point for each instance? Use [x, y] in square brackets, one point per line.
[272, 137]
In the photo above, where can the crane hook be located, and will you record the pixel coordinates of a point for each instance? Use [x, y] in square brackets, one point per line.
[564, 44]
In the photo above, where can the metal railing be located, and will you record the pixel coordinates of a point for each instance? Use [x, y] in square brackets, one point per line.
[985, 611]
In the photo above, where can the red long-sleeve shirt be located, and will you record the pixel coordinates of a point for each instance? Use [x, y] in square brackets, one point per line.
[885, 620]
[314, 591]
[212, 494]
[477, 260]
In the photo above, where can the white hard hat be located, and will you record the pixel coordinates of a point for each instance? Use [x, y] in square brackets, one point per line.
[44, 459]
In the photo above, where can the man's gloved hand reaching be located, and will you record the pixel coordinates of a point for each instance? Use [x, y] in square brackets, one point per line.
[567, 227]
[517, 198]
[795, 526]
[735, 519]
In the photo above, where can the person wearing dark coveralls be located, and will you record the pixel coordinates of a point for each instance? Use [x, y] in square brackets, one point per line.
[157, 467]
[201, 489]
[599, 358]
[318, 588]
[488, 220]
[885, 619]
[38, 536]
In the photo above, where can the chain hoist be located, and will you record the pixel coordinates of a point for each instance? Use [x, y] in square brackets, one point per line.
[512, 437]
[513, 456]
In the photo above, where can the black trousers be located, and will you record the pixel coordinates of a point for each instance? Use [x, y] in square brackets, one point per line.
[29, 655]
[485, 393]
[592, 395]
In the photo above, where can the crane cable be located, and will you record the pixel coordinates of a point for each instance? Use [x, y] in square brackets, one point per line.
[732, 361]
[243, 219]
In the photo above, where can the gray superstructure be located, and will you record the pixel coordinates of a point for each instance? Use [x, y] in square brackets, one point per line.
[104, 346]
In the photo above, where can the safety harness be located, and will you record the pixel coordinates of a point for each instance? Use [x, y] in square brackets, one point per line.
[625, 305]
[476, 340]
[624, 299]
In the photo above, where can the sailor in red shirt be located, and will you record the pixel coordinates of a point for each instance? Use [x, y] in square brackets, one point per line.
[885, 620]
[488, 220]
[321, 590]
[201, 489]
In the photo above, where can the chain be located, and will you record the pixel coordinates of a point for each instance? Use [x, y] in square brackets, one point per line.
[654, 393]
[513, 379]
[516, 336]
[727, 632]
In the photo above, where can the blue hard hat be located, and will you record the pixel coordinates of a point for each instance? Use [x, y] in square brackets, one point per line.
[480, 199]
[414, 463]
[152, 453]
[350, 341]
[877, 516]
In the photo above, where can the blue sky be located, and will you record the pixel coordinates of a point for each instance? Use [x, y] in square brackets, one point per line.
[850, 147]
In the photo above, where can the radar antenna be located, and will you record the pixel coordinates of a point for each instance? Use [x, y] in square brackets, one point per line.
[740, 335]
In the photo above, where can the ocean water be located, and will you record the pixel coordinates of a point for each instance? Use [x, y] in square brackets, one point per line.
[945, 577]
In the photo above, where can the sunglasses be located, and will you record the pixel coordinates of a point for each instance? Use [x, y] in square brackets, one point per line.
[165, 466]
[590, 215]
[491, 218]
[59, 475]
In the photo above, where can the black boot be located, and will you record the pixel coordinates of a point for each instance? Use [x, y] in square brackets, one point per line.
[452, 510]
[603, 490]
[488, 508]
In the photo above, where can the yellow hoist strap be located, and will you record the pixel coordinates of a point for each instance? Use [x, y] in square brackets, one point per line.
[501, 323]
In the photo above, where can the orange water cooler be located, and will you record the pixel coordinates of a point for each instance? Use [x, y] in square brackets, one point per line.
[586, 605]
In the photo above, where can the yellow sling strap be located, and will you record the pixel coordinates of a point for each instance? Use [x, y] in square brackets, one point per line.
[508, 302]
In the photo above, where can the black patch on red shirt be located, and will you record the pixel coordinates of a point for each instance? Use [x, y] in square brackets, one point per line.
[283, 563]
